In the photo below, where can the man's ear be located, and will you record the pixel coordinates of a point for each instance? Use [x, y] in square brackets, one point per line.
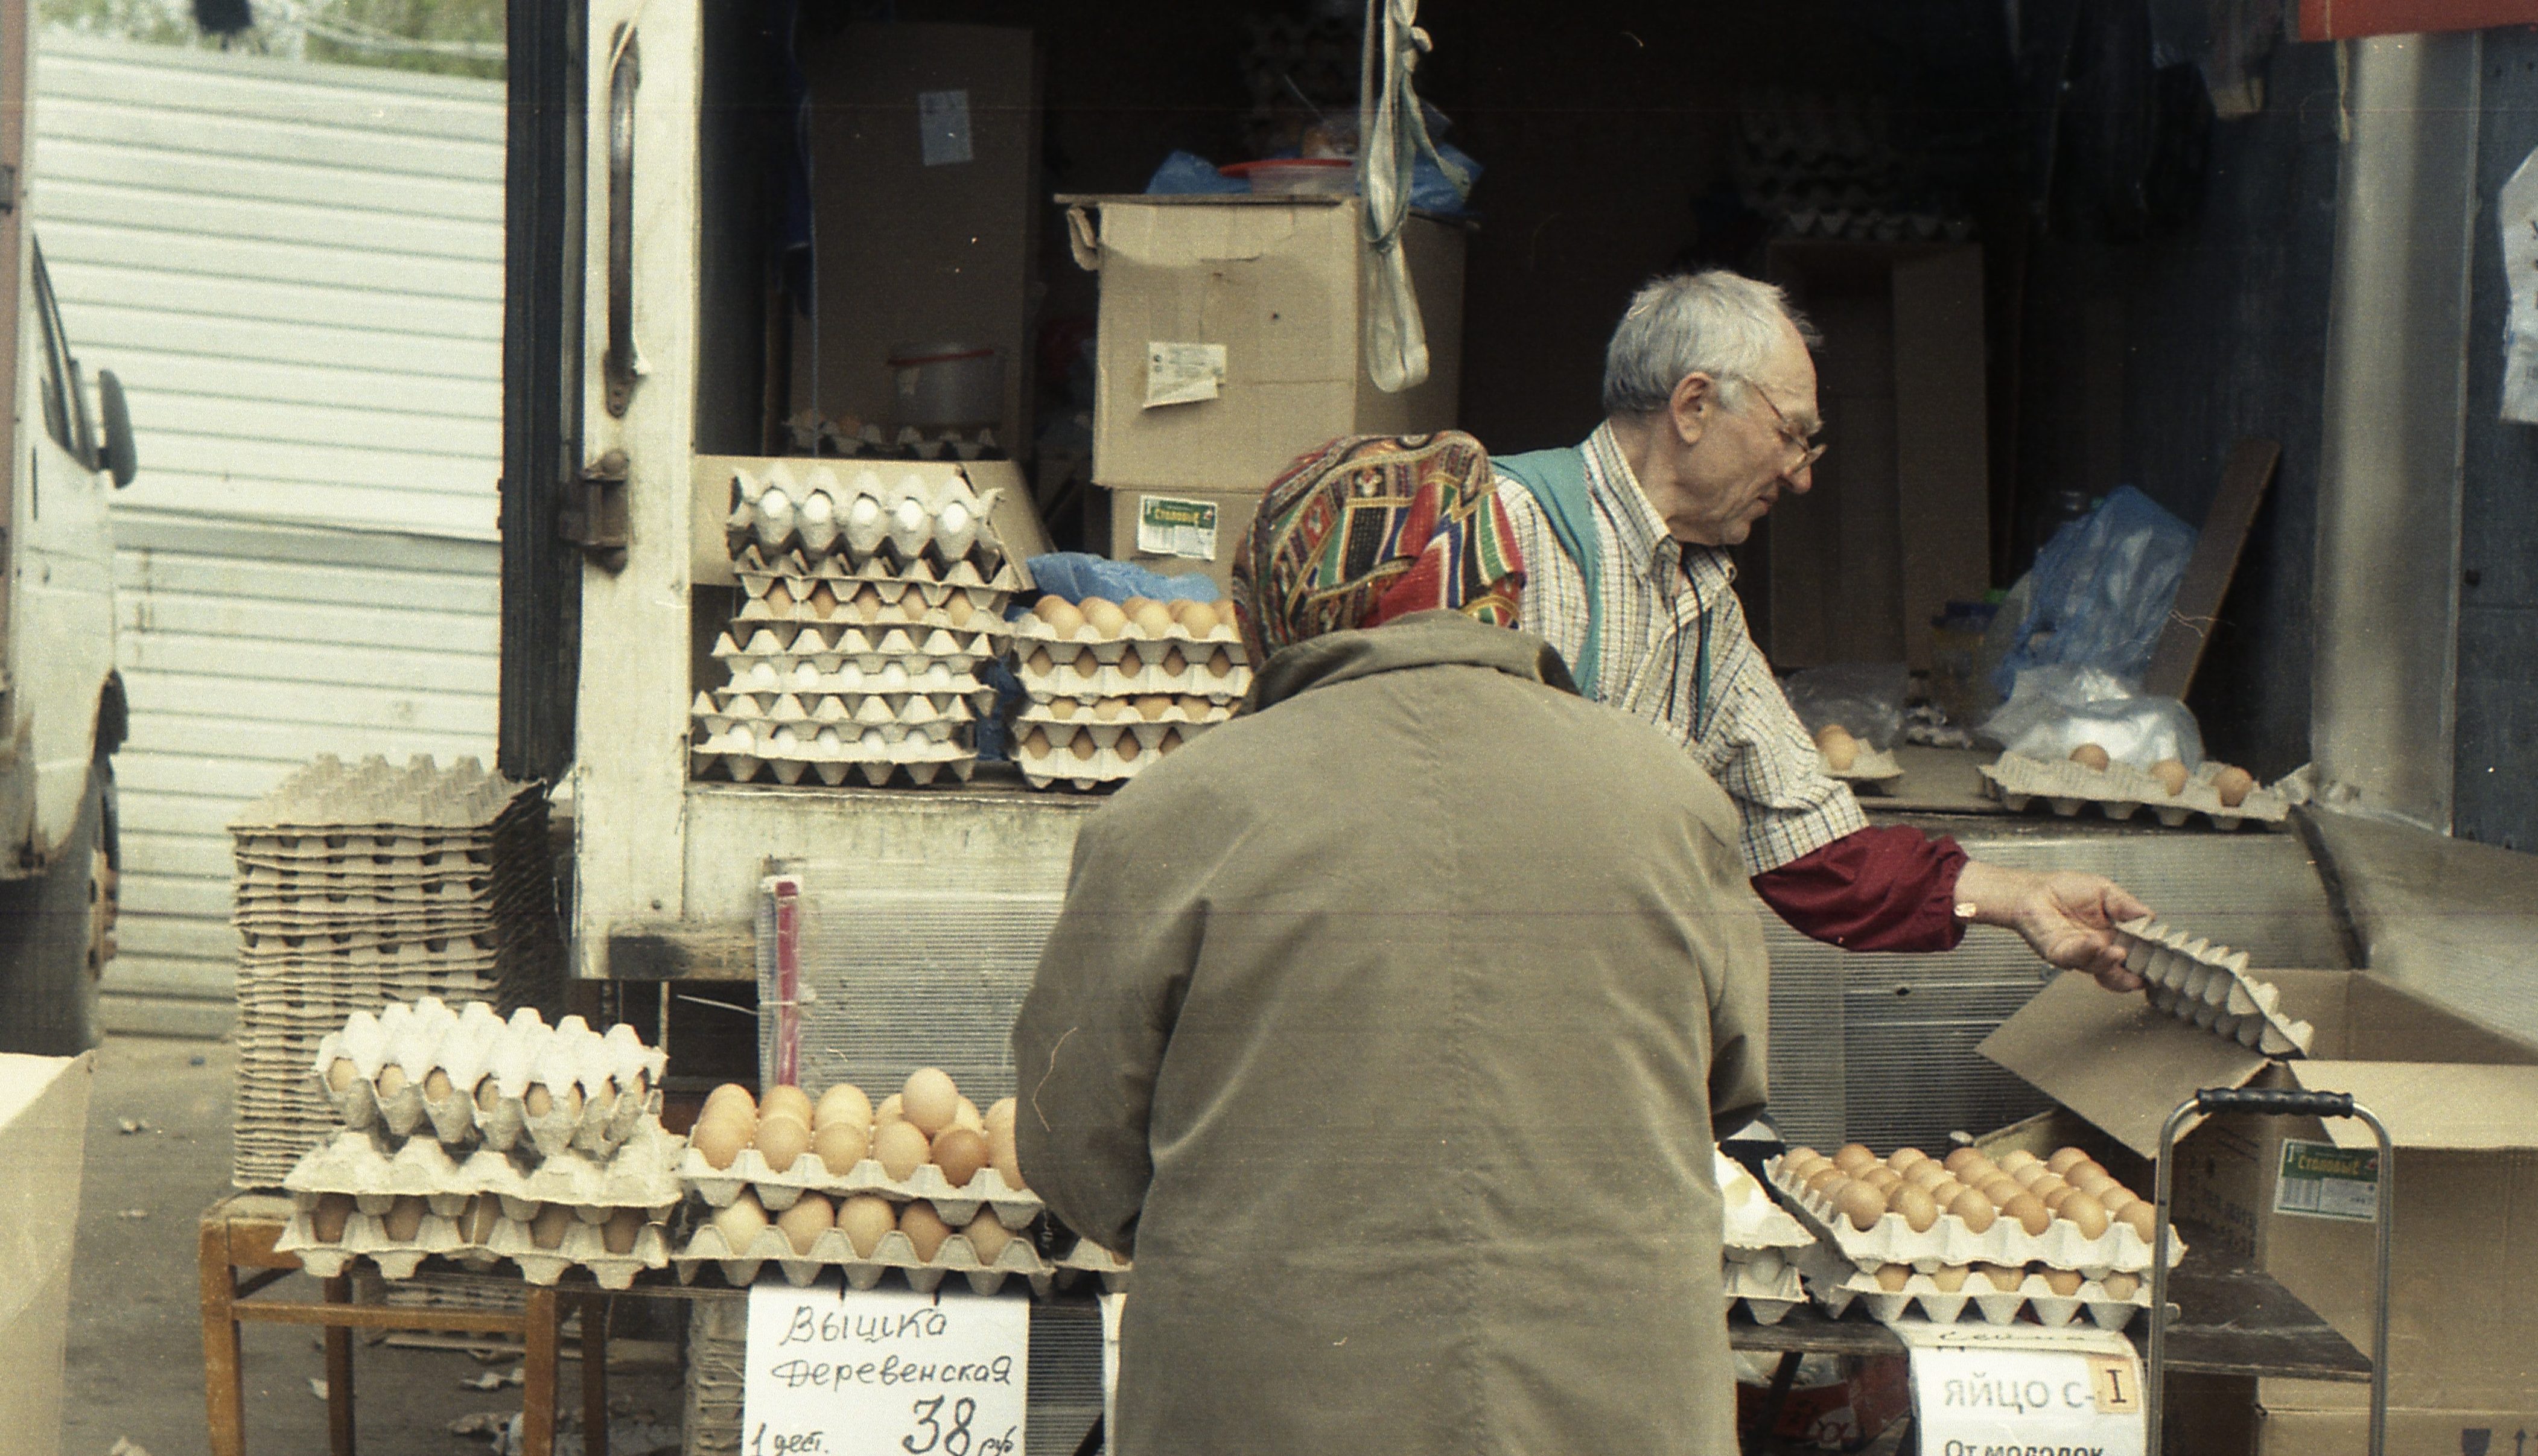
[1688, 410]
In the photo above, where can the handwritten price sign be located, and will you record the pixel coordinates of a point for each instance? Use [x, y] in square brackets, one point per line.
[891, 1373]
[2011, 1390]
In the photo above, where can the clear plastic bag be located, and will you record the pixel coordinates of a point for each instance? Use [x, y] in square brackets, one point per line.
[2103, 589]
[1865, 697]
[2052, 710]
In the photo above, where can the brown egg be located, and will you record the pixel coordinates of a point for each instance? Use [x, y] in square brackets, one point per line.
[2091, 1179]
[2118, 1199]
[960, 1153]
[1882, 1177]
[719, 1139]
[1131, 663]
[1174, 663]
[1082, 747]
[741, 1222]
[1948, 1278]
[2063, 1281]
[436, 1086]
[1125, 749]
[1824, 1179]
[2030, 1212]
[488, 1096]
[2233, 785]
[2014, 1159]
[1154, 706]
[1105, 620]
[1853, 1155]
[958, 609]
[987, 1237]
[730, 1093]
[1947, 1191]
[1154, 619]
[1862, 1204]
[781, 1139]
[785, 1098]
[1919, 1210]
[2030, 1174]
[924, 1228]
[1903, 1158]
[2063, 1159]
[1000, 1113]
[863, 1219]
[1221, 665]
[929, 1099]
[2003, 1277]
[404, 1219]
[1198, 619]
[2054, 1198]
[1039, 663]
[1975, 1210]
[809, 1216]
[2001, 1190]
[1926, 1174]
[1005, 1158]
[553, 1221]
[844, 1102]
[326, 1220]
[340, 1074]
[2171, 775]
[1840, 751]
[1799, 1154]
[841, 1145]
[2120, 1286]
[2084, 1213]
[1892, 1277]
[1036, 742]
[2141, 1216]
[888, 1111]
[622, 1228]
[901, 1148]
[1958, 1157]
[1061, 616]
[2090, 756]
[966, 1115]
[475, 1225]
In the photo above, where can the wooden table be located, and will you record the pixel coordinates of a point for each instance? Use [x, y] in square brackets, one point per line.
[239, 1232]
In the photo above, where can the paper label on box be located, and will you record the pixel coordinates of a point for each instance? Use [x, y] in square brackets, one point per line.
[942, 127]
[835, 1371]
[2320, 1180]
[1183, 373]
[1168, 526]
[1978, 1390]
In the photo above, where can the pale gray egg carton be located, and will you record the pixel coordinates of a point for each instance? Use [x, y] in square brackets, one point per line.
[583, 1244]
[2208, 986]
[915, 759]
[1120, 751]
[1764, 1280]
[1032, 633]
[1220, 676]
[1751, 1221]
[1870, 768]
[895, 1251]
[936, 698]
[770, 657]
[2119, 791]
[421, 796]
[1085, 1259]
[375, 1171]
[875, 601]
[1003, 578]
[859, 512]
[1837, 1286]
[778, 1189]
[603, 1091]
[1949, 1240]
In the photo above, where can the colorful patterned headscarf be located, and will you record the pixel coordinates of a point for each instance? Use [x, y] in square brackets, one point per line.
[1373, 527]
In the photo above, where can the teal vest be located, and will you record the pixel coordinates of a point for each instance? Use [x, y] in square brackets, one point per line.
[1556, 480]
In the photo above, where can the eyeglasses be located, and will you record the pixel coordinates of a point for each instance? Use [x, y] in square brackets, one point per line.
[1808, 453]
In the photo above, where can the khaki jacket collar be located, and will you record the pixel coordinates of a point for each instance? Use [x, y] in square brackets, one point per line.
[1421, 640]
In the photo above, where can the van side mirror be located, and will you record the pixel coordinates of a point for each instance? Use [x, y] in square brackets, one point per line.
[119, 458]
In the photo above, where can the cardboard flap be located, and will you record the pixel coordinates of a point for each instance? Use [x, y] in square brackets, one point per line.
[1083, 240]
[2452, 1106]
[2112, 1059]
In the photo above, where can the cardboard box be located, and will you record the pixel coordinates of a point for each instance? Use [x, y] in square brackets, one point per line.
[1170, 531]
[2460, 1102]
[43, 1134]
[1232, 334]
[2411, 1431]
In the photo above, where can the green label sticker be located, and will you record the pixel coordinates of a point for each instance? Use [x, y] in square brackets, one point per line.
[2320, 1180]
[1170, 526]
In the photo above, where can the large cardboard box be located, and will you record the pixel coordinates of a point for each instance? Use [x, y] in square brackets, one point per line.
[1175, 531]
[43, 1130]
[1273, 293]
[2290, 1193]
[2411, 1431]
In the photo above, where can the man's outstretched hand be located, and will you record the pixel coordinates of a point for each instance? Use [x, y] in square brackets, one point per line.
[2067, 916]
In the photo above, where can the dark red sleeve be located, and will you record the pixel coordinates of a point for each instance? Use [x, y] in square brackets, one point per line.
[1891, 888]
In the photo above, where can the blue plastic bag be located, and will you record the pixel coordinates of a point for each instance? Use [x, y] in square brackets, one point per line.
[2101, 590]
[1433, 192]
[1074, 575]
[1186, 173]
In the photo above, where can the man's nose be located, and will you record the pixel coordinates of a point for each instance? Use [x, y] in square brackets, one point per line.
[1801, 480]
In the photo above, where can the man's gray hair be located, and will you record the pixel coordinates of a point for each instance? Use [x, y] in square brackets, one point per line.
[1717, 323]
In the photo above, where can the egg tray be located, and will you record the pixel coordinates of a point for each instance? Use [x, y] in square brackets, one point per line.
[1222, 677]
[831, 1250]
[908, 761]
[1768, 1288]
[1105, 732]
[255, 880]
[1750, 1223]
[780, 1190]
[1086, 1259]
[1871, 768]
[379, 944]
[811, 711]
[1836, 1286]
[616, 1077]
[376, 1172]
[1890, 1240]
[1060, 765]
[773, 597]
[2119, 791]
[365, 1236]
[763, 680]
[784, 647]
[858, 515]
[420, 798]
[1030, 632]
[991, 572]
[2208, 986]
[838, 743]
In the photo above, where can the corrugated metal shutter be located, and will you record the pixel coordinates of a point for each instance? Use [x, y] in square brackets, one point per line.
[295, 270]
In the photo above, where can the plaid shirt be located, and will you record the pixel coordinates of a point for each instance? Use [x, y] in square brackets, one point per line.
[1655, 592]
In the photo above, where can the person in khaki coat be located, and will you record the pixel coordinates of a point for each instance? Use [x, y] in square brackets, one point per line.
[1388, 1026]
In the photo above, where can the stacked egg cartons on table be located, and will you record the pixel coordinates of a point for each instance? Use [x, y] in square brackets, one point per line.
[1970, 1237]
[1110, 687]
[924, 1184]
[872, 604]
[467, 1137]
[1762, 1245]
[357, 886]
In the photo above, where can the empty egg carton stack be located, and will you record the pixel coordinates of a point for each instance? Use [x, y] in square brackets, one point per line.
[871, 608]
[468, 1137]
[358, 886]
[1762, 1245]
[1110, 687]
[2208, 986]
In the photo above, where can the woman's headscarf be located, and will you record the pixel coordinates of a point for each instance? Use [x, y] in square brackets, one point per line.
[1373, 527]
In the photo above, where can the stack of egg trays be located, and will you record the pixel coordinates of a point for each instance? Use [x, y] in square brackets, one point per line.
[357, 884]
[835, 701]
[778, 1189]
[1086, 1259]
[912, 520]
[1107, 707]
[1890, 1240]
[1838, 1284]
[376, 1171]
[1873, 768]
[1762, 1244]
[492, 1064]
[2208, 986]
[2119, 791]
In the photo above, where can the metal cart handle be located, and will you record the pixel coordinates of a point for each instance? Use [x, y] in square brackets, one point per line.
[2268, 1102]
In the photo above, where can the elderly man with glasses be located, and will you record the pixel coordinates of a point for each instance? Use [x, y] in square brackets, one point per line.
[1710, 403]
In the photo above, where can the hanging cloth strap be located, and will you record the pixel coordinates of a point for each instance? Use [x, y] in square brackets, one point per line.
[1393, 133]
[1556, 480]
